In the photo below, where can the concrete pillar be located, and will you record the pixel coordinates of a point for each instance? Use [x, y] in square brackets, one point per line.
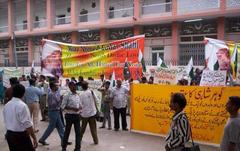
[30, 14]
[30, 51]
[137, 8]
[10, 52]
[102, 11]
[74, 12]
[136, 30]
[103, 35]
[10, 31]
[174, 7]
[221, 28]
[175, 41]
[50, 13]
[74, 37]
[222, 5]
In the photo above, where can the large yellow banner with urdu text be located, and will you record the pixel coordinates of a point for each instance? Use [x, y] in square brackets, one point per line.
[205, 109]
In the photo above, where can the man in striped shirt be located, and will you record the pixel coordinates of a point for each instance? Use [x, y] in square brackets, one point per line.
[179, 132]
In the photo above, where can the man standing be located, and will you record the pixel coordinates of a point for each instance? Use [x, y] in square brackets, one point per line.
[89, 110]
[72, 105]
[106, 104]
[119, 96]
[43, 99]
[179, 132]
[18, 122]
[54, 105]
[231, 137]
[32, 96]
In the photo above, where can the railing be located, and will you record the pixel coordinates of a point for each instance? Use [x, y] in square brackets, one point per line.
[189, 6]
[233, 3]
[62, 20]
[120, 13]
[92, 16]
[157, 8]
[21, 26]
[3, 29]
[40, 24]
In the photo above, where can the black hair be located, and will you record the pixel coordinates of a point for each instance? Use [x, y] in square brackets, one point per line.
[180, 99]
[71, 83]
[80, 78]
[235, 100]
[18, 91]
[84, 85]
[52, 85]
[13, 81]
[107, 82]
[42, 76]
[90, 78]
[32, 82]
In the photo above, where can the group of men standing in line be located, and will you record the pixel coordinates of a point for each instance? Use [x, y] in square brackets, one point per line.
[77, 107]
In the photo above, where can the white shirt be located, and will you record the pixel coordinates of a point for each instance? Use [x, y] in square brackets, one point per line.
[16, 115]
[119, 96]
[231, 134]
[73, 101]
[126, 84]
[88, 99]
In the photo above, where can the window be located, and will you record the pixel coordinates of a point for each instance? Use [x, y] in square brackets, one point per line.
[156, 53]
[22, 56]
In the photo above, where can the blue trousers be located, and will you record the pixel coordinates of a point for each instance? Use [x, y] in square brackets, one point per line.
[54, 122]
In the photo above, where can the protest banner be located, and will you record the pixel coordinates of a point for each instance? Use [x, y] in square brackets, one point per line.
[217, 55]
[8, 73]
[150, 112]
[96, 84]
[165, 76]
[27, 70]
[213, 78]
[70, 60]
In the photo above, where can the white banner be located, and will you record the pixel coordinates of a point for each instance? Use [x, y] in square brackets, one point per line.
[213, 78]
[8, 73]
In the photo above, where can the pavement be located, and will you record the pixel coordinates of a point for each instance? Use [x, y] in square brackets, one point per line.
[109, 140]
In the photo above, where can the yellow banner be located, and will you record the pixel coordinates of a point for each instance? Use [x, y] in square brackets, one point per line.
[205, 109]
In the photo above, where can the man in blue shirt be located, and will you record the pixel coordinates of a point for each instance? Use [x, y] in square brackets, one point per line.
[31, 98]
[54, 105]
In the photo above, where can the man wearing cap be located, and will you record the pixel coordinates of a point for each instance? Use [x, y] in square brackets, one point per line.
[119, 96]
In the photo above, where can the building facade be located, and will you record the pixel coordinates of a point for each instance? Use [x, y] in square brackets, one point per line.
[174, 29]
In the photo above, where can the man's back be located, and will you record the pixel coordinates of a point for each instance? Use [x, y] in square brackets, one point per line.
[16, 115]
[32, 94]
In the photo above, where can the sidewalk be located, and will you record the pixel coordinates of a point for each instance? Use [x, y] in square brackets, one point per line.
[109, 140]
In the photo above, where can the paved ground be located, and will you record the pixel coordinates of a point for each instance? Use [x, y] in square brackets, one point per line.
[108, 140]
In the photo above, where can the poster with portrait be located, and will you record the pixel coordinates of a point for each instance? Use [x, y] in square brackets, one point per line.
[217, 55]
[69, 60]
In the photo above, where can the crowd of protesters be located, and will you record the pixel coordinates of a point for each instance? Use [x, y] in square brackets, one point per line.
[44, 95]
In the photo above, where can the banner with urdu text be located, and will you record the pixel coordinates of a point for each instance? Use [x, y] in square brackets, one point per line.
[69, 60]
[205, 109]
